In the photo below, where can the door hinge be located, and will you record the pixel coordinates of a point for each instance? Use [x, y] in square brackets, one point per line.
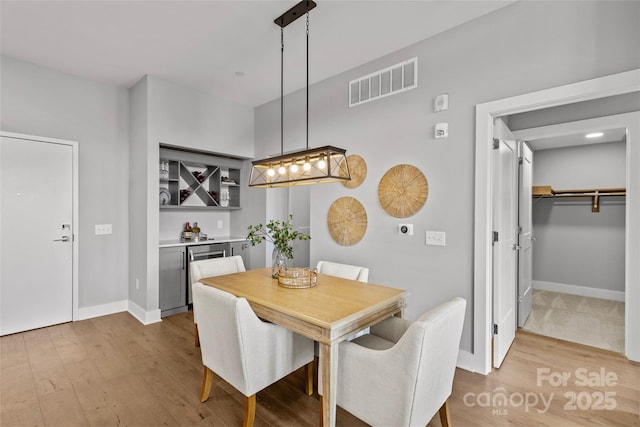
[519, 229]
[496, 143]
[495, 237]
[495, 329]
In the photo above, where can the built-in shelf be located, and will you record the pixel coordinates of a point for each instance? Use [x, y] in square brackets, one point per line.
[197, 182]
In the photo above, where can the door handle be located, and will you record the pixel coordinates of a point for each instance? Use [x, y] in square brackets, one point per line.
[62, 239]
[515, 247]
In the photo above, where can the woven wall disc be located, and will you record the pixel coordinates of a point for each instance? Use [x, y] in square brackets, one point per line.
[347, 221]
[357, 169]
[403, 190]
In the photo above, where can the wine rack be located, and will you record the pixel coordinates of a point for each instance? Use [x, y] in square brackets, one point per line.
[196, 185]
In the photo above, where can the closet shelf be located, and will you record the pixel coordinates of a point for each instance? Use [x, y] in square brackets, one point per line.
[546, 191]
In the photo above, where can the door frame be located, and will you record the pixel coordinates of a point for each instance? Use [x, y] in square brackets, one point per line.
[616, 84]
[75, 218]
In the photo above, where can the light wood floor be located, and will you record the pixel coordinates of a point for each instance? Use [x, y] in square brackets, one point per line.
[112, 371]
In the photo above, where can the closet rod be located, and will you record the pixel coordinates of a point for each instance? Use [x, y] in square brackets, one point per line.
[594, 193]
[591, 192]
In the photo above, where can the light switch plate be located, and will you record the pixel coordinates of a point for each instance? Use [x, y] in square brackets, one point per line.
[435, 238]
[103, 229]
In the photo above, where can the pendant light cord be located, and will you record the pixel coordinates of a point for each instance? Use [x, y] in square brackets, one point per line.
[281, 90]
[307, 80]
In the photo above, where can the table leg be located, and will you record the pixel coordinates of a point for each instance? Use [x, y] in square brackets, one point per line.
[329, 363]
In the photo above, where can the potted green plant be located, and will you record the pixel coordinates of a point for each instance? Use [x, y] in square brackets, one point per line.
[281, 234]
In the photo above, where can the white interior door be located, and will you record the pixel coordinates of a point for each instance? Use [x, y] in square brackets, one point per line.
[36, 279]
[525, 236]
[505, 220]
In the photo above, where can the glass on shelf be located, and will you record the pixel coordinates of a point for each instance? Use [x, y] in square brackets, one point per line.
[224, 198]
[164, 170]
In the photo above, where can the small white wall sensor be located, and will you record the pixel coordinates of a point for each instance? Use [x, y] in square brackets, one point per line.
[441, 130]
[441, 102]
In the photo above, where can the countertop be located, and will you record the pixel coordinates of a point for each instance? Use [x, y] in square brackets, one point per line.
[220, 239]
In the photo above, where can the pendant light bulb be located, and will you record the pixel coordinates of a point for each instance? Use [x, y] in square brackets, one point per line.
[270, 171]
[307, 165]
[321, 163]
[294, 167]
[282, 170]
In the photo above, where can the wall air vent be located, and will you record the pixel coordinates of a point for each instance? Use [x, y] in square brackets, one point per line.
[389, 81]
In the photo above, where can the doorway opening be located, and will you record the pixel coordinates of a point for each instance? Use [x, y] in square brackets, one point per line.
[578, 238]
[599, 88]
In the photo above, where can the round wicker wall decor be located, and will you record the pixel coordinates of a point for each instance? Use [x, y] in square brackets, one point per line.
[403, 190]
[347, 221]
[357, 169]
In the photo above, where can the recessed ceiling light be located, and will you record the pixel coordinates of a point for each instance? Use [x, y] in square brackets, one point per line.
[594, 135]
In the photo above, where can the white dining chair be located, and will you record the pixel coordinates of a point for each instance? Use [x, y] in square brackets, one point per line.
[346, 271]
[401, 373]
[208, 268]
[243, 350]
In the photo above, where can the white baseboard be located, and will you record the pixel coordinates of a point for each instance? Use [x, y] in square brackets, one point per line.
[578, 290]
[102, 309]
[466, 361]
[143, 316]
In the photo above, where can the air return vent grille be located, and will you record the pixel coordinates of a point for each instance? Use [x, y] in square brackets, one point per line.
[389, 81]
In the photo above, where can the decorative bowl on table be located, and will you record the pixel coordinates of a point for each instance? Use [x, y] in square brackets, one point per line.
[295, 277]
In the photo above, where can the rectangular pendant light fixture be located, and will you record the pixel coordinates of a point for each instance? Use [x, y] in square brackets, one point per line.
[310, 166]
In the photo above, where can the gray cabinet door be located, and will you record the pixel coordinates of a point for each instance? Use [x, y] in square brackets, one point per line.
[173, 276]
[236, 249]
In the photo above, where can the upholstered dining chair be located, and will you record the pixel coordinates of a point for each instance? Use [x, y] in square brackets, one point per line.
[345, 271]
[401, 373]
[212, 267]
[243, 350]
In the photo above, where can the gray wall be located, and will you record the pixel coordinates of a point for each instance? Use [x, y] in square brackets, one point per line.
[492, 57]
[183, 117]
[573, 245]
[39, 101]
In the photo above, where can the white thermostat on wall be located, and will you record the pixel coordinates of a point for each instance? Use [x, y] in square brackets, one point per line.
[441, 130]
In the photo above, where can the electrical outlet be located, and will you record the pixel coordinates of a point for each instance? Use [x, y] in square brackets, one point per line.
[103, 229]
[435, 238]
[406, 229]
[220, 224]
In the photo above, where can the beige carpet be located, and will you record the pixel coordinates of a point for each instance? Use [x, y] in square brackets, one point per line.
[591, 321]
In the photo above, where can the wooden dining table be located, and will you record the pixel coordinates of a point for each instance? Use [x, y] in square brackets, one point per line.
[329, 313]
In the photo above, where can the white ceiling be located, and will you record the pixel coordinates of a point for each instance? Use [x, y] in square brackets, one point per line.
[204, 44]
[576, 139]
